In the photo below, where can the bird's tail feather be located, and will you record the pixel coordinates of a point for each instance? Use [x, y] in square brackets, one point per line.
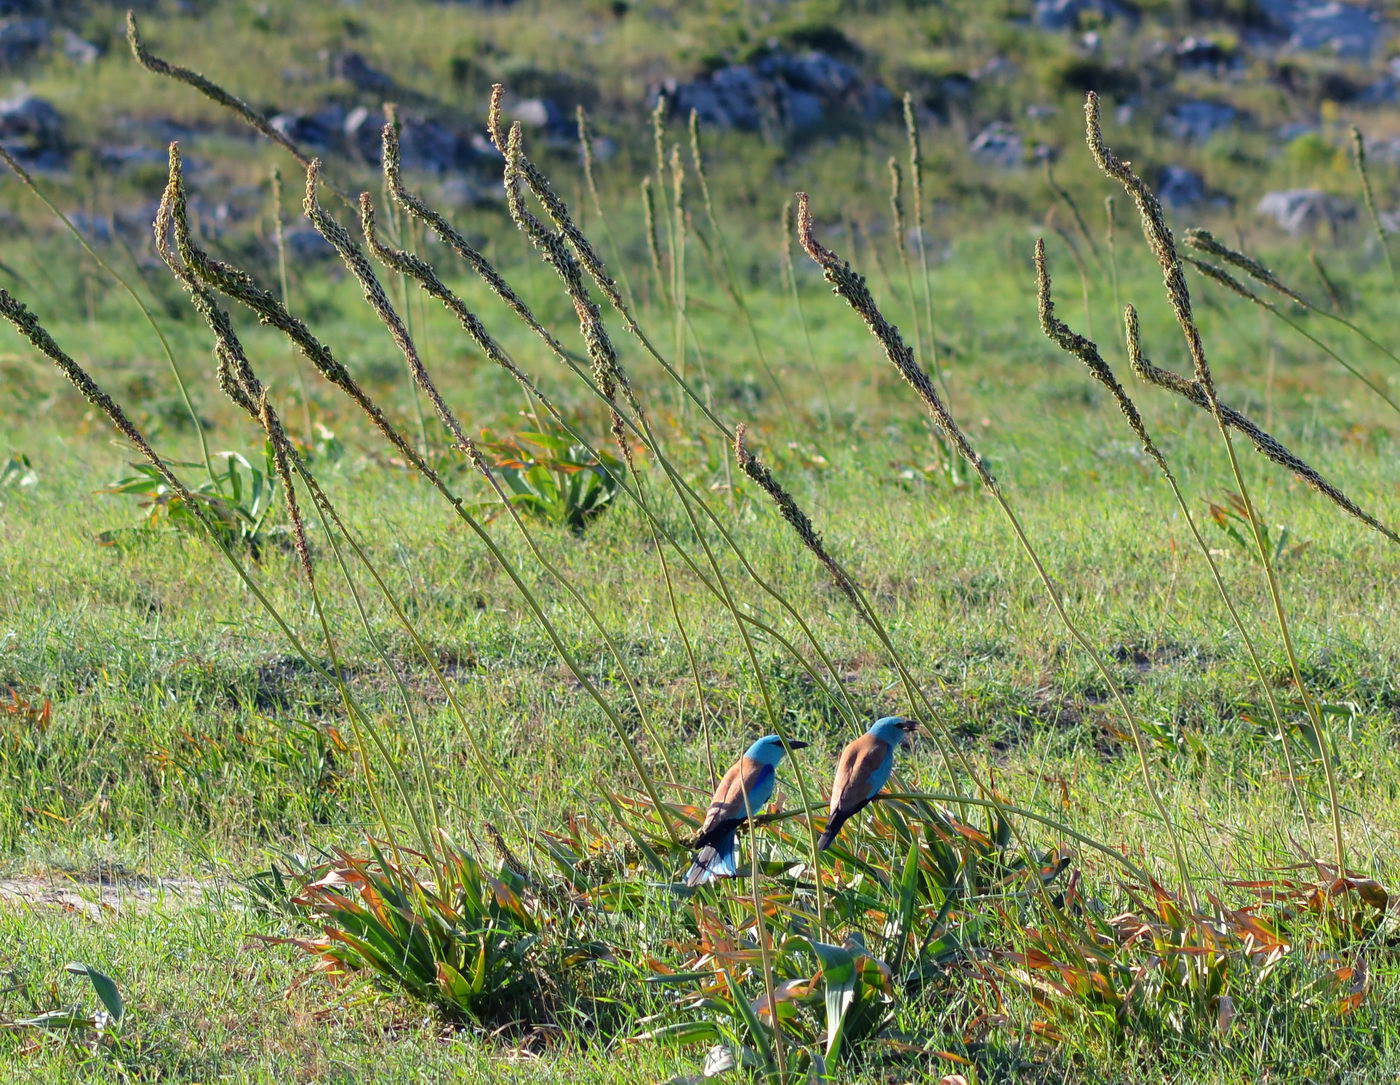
[713, 861]
[833, 827]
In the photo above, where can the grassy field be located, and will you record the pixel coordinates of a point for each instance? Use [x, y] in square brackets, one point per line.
[1109, 865]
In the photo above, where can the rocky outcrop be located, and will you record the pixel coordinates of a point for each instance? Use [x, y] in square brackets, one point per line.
[795, 92]
[1300, 211]
[21, 39]
[1066, 14]
[32, 130]
[1348, 30]
[999, 145]
[1196, 121]
[1179, 187]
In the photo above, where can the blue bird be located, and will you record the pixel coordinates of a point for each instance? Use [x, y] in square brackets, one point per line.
[745, 789]
[862, 770]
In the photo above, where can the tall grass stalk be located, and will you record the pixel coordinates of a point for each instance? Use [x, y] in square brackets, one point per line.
[279, 235]
[1159, 239]
[241, 287]
[1088, 353]
[730, 280]
[1230, 283]
[430, 283]
[608, 376]
[585, 142]
[852, 288]
[1358, 157]
[790, 277]
[900, 228]
[1205, 241]
[916, 184]
[28, 182]
[400, 261]
[31, 329]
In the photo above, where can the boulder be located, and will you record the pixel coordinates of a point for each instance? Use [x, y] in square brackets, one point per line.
[21, 38]
[999, 145]
[78, 50]
[462, 194]
[361, 74]
[1201, 54]
[1180, 187]
[320, 131]
[304, 243]
[1065, 14]
[426, 145]
[32, 130]
[793, 91]
[435, 147]
[1302, 210]
[1197, 120]
[1346, 30]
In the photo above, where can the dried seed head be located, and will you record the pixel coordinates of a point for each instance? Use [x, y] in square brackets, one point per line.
[209, 89]
[607, 372]
[1205, 241]
[1159, 239]
[897, 201]
[752, 466]
[1358, 148]
[1088, 352]
[1264, 443]
[851, 286]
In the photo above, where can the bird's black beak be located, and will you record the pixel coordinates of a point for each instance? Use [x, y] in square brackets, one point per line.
[909, 726]
[797, 744]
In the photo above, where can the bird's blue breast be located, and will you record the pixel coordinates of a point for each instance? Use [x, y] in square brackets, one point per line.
[761, 789]
[881, 775]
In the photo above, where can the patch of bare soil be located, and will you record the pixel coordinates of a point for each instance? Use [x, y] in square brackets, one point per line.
[98, 899]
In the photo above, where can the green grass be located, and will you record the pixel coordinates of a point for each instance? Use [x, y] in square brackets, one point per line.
[184, 739]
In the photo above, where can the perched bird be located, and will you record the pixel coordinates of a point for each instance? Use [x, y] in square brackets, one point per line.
[862, 770]
[745, 789]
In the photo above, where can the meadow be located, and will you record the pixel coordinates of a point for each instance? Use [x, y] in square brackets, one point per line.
[394, 780]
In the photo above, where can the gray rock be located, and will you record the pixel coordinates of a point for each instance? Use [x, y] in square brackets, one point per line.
[1180, 187]
[121, 158]
[78, 50]
[999, 145]
[304, 243]
[797, 92]
[1201, 54]
[360, 73]
[363, 130]
[435, 147]
[1348, 30]
[1384, 91]
[32, 130]
[803, 111]
[20, 39]
[833, 83]
[319, 131]
[1064, 14]
[1287, 133]
[1383, 150]
[463, 194]
[1302, 210]
[545, 116]
[1196, 121]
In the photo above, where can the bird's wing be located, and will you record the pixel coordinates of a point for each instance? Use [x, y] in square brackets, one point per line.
[745, 777]
[858, 773]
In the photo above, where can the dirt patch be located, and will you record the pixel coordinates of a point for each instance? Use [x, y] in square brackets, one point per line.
[99, 899]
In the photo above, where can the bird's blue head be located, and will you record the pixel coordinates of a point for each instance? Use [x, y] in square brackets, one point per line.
[769, 750]
[894, 730]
